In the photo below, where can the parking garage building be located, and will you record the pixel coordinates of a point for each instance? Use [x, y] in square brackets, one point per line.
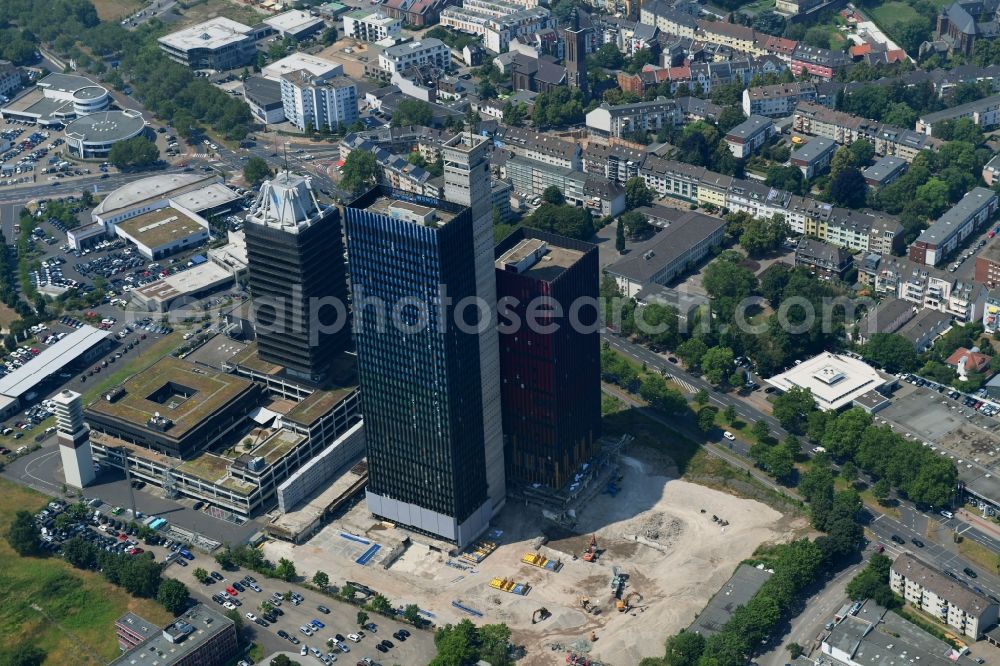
[78, 348]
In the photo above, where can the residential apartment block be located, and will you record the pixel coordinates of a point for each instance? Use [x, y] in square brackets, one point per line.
[845, 128]
[813, 157]
[825, 260]
[983, 112]
[778, 100]
[988, 263]
[622, 120]
[668, 19]
[941, 596]
[532, 178]
[749, 136]
[400, 57]
[819, 62]
[319, 104]
[369, 26]
[941, 238]
[496, 30]
[539, 147]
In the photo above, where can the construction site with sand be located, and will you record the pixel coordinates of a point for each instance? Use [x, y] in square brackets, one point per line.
[659, 548]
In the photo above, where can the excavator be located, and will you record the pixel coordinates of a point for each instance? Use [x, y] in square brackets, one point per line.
[540, 614]
[590, 555]
[628, 602]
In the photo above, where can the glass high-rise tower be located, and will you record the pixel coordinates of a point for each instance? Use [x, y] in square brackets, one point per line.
[297, 276]
[412, 265]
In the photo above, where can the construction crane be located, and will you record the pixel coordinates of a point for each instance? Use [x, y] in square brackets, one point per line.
[590, 555]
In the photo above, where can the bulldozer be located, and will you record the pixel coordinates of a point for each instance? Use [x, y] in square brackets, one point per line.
[588, 607]
[590, 555]
[628, 602]
[540, 614]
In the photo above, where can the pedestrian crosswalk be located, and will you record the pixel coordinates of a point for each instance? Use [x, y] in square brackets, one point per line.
[680, 382]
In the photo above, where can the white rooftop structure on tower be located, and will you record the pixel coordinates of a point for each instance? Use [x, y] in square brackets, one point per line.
[286, 202]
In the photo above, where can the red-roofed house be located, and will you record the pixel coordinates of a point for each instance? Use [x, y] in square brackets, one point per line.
[780, 47]
[859, 50]
[965, 361]
[415, 12]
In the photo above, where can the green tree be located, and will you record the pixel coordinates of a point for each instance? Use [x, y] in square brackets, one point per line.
[24, 654]
[893, 352]
[619, 246]
[881, 490]
[706, 418]
[80, 553]
[380, 604]
[494, 644]
[760, 431]
[23, 535]
[224, 558]
[848, 188]
[730, 414]
[717, 364]
[553, 195]
[255, 171]
[411, 613]
[691, 351]
[173, 595]
[362, 618]
[135, 153]
[283, 660]
[285, 570]
[637, 194]
[701, 397]
[321, 580]
[412, 112]
[793, 407]
[849, 472]
[762, 235]
[359, 171]
[635, 224]
[684, 649]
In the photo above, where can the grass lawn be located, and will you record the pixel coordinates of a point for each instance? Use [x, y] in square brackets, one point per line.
[67, 612]
[610, 404]
[130, 364]
[891, 14]
[196, 11]
[111, 10]
[980, 554]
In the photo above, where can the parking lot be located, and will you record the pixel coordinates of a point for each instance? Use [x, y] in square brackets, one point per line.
[950, 426]
[299, 619]
[36, 155]
[418, 648]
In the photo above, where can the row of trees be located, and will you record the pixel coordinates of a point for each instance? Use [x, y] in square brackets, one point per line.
[465, 643]
[852, 436]
[135, 153]
[171, 90]
[248, 557]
